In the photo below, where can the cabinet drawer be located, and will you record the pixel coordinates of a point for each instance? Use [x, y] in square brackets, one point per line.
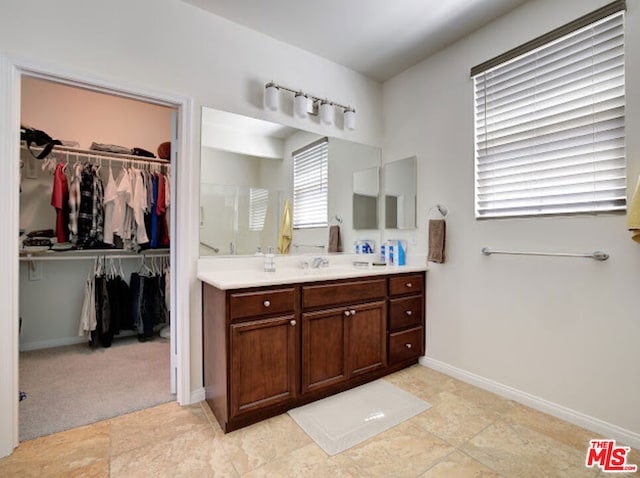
[406, 344]
[351, 292]
[405, 312]
[257, 303]
[406, 284]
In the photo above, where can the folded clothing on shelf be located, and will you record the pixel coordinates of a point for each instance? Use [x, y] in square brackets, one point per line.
[110, 148]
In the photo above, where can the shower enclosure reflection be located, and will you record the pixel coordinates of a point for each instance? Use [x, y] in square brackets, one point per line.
[237, 219]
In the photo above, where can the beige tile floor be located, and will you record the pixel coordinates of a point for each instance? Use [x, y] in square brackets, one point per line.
[468, 432]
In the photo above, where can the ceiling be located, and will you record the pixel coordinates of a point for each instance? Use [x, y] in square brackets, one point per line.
[378, 38]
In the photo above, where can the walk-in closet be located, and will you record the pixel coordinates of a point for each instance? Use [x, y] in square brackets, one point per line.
[95, 243]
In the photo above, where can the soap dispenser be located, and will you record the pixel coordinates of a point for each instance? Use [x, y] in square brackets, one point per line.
[269, 260]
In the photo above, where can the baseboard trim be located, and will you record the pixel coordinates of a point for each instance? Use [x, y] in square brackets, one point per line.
[47, 344]
[608, 430]
[197, 395]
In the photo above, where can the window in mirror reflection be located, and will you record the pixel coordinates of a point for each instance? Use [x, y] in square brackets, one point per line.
[258, 205]
[311, 185]
[400, 187]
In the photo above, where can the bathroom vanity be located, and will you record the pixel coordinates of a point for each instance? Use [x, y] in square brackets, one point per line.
[275, 341]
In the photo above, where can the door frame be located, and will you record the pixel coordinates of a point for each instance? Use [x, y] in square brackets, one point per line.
[12, 70]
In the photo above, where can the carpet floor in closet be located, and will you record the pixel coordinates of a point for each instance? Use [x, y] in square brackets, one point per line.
[75, 385]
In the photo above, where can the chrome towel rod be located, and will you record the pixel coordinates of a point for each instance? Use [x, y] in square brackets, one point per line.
[597, 255]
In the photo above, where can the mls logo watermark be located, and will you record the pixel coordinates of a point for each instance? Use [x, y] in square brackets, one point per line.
[608, 456]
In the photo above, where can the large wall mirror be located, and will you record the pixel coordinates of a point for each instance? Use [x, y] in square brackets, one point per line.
[400, 191]
[247, 175]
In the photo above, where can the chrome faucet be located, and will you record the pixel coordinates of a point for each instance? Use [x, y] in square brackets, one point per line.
[320, 262]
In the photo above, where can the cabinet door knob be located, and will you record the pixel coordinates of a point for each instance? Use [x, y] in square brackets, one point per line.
[353, 312]
[266, 303]
[407, 345]
[409, 285]
[408, 312]
[293, 322]
[347, 313]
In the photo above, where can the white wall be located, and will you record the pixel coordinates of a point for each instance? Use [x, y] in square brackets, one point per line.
[171, 47]
[561, 329]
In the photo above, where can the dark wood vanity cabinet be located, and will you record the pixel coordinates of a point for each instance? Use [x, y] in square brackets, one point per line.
[266, 350]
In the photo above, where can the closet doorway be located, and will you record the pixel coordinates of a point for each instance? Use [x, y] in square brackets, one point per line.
[66, 275]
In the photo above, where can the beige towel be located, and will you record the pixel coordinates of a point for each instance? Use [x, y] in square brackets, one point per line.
[284, 235]
[633, 214]
[437, 232]
[335, 244]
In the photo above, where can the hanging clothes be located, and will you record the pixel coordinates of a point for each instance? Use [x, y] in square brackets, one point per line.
[60, 201]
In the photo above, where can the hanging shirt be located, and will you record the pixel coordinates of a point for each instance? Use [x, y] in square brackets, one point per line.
[139, 204]
[123, 193]
[161, 211]
[109, 202]
[85, 213]
[60, 201]
[154, 212]
[74, 202]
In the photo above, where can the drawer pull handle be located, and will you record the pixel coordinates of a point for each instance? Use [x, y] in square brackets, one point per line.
[353, 312]
[347, 313]
[409, 285]
[266, 303]
[407, 345]
[408, 312]
[293, 322]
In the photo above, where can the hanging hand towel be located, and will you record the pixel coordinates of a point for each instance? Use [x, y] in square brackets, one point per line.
[335, 243]
[284, 236]
[633, 214]
[437, 232]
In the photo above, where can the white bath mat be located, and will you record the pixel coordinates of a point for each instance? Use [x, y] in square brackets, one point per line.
[339, 422]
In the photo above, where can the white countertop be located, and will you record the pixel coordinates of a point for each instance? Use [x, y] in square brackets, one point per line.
[243, 272]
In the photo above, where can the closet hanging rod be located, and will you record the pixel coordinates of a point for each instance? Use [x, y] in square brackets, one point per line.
[596, 255]
[103, 155]
[45, 257]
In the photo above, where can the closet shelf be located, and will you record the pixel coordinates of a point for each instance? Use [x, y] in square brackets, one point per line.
[89, 153]
[90, 254]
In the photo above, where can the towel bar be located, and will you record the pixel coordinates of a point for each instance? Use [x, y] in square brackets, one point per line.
[596, 255]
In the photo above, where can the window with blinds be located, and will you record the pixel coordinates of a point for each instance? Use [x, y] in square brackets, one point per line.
[258, 203]
[550, 126]
[311, 185]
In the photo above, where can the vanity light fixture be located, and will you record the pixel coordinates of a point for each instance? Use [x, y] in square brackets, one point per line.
[305, 104]
[326, 112]
[271, 96]
[301, 104]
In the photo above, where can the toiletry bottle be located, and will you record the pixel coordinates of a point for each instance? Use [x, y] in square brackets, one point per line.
[391, 261]
[259, 251]
[383, 252]
[269, 260]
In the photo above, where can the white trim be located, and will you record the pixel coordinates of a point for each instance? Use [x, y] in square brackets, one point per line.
[11, 71]
[46, 344]
[197, 395]
[10, 213]
[596, 425]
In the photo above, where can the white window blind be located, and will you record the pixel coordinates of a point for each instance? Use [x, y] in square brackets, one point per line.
[550, 127]
[311, 185]
[258, 203]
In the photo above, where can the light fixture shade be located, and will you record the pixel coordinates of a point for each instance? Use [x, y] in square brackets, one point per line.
[326, 112]
[300, 104]
[271, 96]
[350, 119]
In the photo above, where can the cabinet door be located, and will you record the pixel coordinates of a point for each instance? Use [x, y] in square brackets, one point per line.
[366, 328]
[263, 361]
[323, 349]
